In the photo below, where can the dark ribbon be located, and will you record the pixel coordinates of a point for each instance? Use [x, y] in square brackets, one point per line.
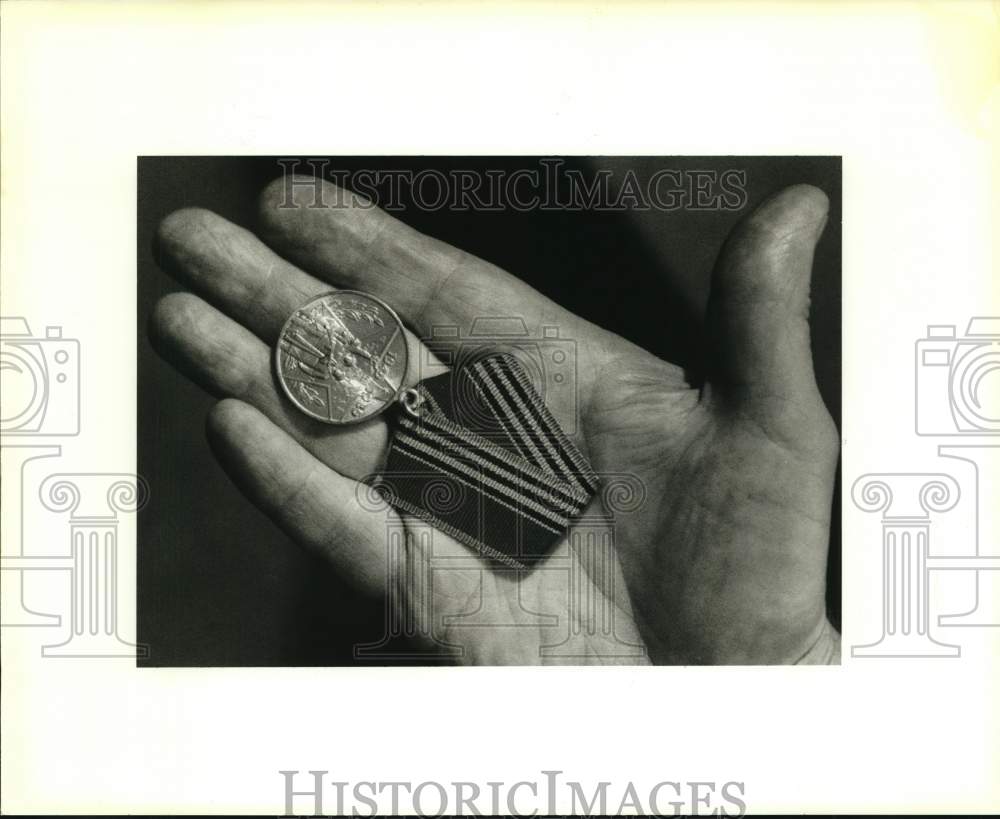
[485, 462]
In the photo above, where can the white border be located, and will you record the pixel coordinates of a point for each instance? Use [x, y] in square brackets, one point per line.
[907, 94]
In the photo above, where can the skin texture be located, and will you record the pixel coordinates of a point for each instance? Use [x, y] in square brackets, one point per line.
[724, 561]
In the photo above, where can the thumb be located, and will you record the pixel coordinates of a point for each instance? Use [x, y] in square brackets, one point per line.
[758, 311]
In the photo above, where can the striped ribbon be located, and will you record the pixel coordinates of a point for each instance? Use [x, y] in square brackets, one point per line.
[486, 463]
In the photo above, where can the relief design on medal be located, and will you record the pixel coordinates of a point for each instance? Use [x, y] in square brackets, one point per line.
[342, 357]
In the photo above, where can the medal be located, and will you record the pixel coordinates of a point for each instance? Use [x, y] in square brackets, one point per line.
[474, 452]
[342, 357]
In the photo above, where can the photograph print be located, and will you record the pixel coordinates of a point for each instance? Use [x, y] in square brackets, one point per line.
[497, 410]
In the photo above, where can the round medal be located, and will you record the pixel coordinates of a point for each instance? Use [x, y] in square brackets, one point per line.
[342, 357]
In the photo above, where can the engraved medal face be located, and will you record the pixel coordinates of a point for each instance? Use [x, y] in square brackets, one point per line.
[342, 357]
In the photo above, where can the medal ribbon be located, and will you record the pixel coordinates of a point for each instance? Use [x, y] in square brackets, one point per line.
[483, 460]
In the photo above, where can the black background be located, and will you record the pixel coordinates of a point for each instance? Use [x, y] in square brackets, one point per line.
[218, 584]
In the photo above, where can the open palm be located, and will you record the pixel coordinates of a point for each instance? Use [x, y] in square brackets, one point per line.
[718, 555]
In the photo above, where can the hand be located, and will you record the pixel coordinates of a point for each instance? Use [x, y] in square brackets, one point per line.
[725, 562]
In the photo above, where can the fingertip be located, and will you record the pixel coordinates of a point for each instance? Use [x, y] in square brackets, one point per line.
[759, 306]
[275, 194]
[301, 195]
[176, 227]
[228, 415]
[283, 195]
[797, 209]
[770, 251]
[292, 192]
[812, 204]
[171, 314]
[229, 420]
[806, 194]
